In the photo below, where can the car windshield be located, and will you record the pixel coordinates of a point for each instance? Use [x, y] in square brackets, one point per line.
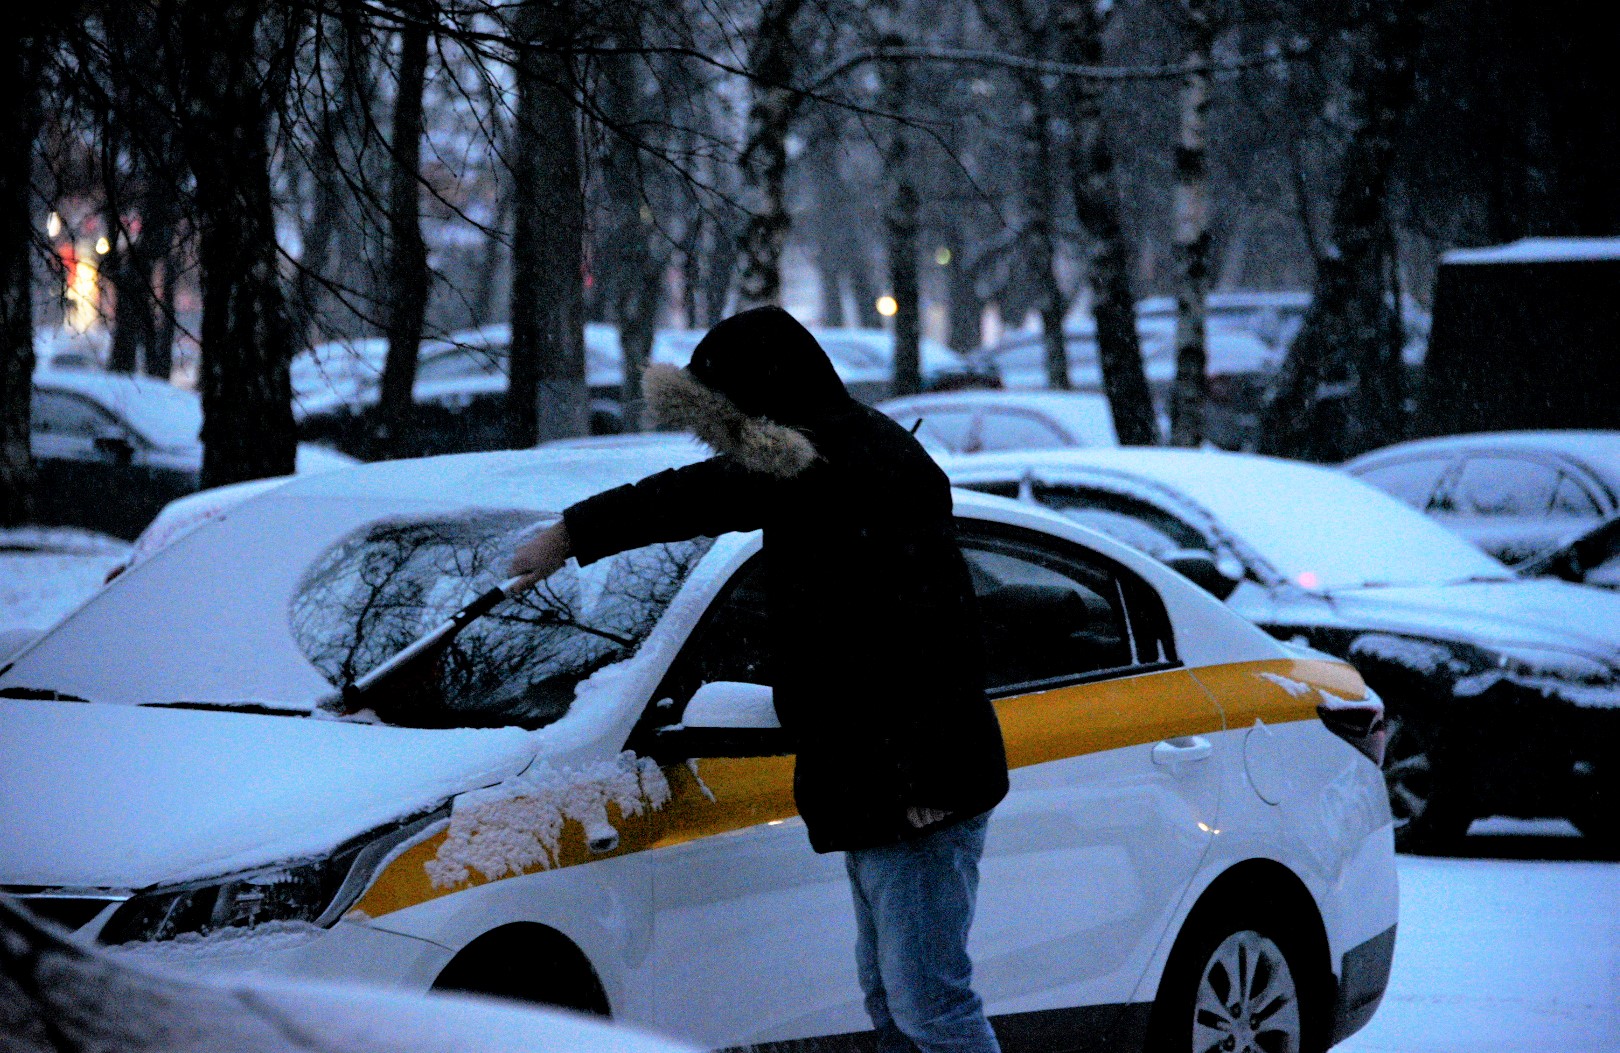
[163, 415]
[374, 593]
[1324, 530]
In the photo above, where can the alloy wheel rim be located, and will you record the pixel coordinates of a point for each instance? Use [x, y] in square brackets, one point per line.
[1247, 999]
[1408, 772]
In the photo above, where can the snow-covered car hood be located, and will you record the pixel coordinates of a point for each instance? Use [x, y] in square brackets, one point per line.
[1535, 612]
[106, 796]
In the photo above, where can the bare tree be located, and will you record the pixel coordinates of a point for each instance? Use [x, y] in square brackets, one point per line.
[23, 54]
[408, 266]
[764, 160]
[546, 388]
[1092, 181]
[1341, 388]
[902, 223]
[1192, 233]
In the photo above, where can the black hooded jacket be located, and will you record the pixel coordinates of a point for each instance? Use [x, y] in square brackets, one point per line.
[876, 656]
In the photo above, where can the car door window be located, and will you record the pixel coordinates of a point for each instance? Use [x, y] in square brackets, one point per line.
[373, 594]
[1505, 487]
[1573, 501]
[1054, 617]
[951, 428]
[1000, 430]
[58, 413]
[1410, 481]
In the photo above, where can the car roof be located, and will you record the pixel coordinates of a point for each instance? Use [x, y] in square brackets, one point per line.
[1086, 414]
[1598, 450]
[1539, 250]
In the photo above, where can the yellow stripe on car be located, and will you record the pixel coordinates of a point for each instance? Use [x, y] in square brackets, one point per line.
[1040, 727]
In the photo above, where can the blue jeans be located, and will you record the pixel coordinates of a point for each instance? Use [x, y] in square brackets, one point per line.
[913, 907]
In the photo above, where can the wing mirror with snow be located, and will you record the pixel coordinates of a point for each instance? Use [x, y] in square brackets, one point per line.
[1204, 570]
[725, 719]
[730, 704]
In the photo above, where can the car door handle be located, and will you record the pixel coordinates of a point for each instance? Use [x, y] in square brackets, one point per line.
[1183, 750]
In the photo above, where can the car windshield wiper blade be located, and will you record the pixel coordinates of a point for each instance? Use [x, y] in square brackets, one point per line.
[255, 708]
[39, 694]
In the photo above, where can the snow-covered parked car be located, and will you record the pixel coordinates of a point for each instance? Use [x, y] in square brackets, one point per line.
[588, 801]
[975, 421]
[460, 391]
[111, 449]
[1503, 693]
[1516, 494]
[56, 994]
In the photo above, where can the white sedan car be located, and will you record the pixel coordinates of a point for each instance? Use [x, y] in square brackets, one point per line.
[587, 802]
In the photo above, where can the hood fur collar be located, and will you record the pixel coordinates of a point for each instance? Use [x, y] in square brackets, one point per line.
[680, 402]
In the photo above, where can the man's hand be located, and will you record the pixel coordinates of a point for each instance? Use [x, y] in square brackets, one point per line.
[541, 556]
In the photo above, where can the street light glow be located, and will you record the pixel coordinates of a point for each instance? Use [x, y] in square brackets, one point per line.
[103, 246]
[53, 225]
[887, 306]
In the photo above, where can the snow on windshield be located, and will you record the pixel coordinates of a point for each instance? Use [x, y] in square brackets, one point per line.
[374, 593]
[163, 414]
[1324, 530]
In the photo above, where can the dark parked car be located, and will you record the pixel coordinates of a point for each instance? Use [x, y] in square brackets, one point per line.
[110, 450]
[1518, 495]
[1503, 694]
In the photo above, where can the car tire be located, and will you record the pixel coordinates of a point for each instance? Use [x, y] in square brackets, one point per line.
[1239, 982]
[1430, 816]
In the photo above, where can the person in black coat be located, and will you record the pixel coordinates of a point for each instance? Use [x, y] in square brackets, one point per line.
[876, 657]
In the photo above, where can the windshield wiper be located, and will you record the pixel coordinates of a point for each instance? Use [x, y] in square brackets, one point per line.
[39, 694]
[254, 708]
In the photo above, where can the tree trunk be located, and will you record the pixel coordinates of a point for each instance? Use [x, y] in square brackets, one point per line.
[901, 224]
[21, 67]
[764, 162]
[1341, 389]
[1187, 395]
[638, 269]
[1097, 206]
[246, 338]
[546, 397]
[1042, 190]
[160, 355]
[407, 262]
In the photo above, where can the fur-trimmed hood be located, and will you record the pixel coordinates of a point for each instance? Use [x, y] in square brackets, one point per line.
[757, 383]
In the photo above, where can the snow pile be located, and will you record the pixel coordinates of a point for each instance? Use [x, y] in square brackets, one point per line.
[1326, 699]
[1420, 657]
[45, 572]
[515, 826]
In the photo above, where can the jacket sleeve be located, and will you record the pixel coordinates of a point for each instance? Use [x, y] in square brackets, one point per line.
[705, 499]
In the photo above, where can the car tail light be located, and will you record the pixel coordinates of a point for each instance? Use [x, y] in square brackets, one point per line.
[1359, 722]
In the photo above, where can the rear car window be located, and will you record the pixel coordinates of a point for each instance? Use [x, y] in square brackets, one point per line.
[1410, 481]
[372, 594]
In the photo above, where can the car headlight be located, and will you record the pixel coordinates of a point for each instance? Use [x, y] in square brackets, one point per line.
[1550, 663]
[316, 891]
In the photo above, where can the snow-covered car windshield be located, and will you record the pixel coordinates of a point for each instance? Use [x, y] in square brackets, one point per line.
[374, 593]
[1324, 530]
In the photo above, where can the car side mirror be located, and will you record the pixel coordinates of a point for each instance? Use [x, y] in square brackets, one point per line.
[724, 719]
[115, 447]
[729, 704]
[1202, 569]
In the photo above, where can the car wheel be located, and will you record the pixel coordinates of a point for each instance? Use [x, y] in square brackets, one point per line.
[1427, 818]
[1238, 987]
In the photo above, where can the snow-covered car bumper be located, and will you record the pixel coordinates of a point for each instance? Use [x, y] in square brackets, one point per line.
[1536, 747]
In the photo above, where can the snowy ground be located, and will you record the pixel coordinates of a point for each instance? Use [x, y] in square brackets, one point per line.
[1516, 948]
[45, 572]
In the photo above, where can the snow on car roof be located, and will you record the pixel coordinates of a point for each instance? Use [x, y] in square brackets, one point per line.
[1318, 527]
[160, 413]
[1540, 250]
[1086, 414]
[1598, 450]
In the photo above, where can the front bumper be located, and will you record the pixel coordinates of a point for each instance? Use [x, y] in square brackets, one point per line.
[1534, 747]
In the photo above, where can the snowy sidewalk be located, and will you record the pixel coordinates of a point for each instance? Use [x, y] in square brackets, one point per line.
[1501, 955]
